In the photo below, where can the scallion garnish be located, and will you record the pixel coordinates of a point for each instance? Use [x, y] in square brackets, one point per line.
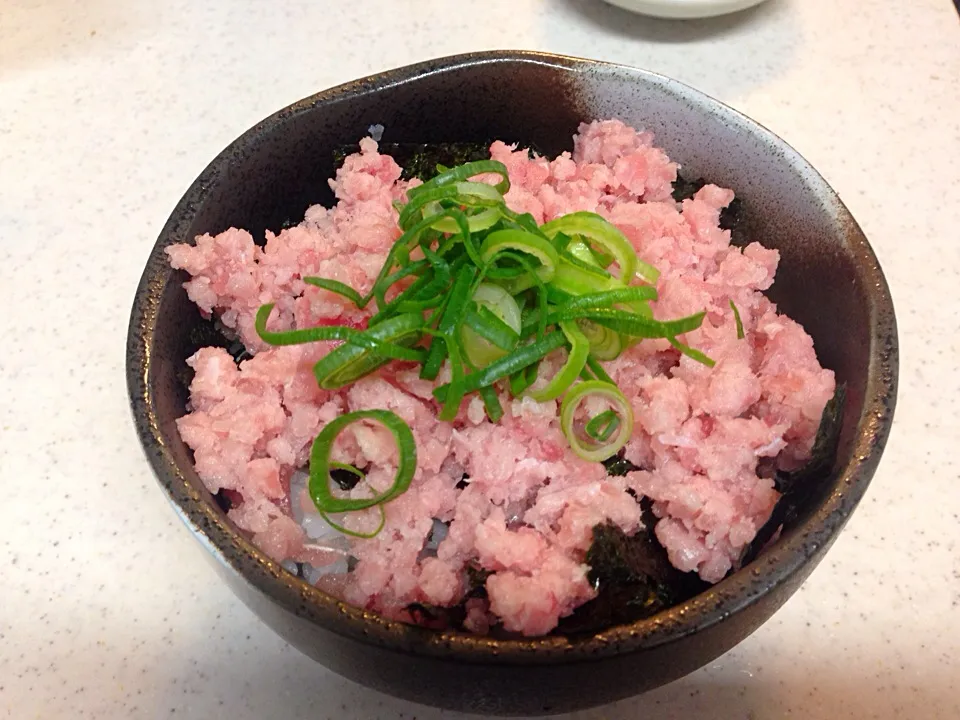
[570, 371]
[736, 317]
[592, 440]
[320, 464]
[489, 292]
[602, 426]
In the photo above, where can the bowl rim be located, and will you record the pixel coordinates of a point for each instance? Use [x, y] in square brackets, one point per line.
[735, 593]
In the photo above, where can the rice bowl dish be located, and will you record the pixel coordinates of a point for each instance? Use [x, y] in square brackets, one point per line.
[496, 529]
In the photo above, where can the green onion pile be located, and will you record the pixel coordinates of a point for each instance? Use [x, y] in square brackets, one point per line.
[491, 293]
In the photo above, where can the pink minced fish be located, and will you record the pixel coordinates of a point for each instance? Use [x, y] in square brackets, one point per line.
[527, 514]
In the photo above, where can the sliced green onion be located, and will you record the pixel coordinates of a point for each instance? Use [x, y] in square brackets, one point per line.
[633, 323]
[582, 444]
[509, 364]
[469, 296]
[350, 362]
[605, 344]
[692, 353]
[491, 403]
[401, 248]
[435, 357]
[477, 222]
[426, 284]
[520, 241]
[485, 337]
[579, 278]
[478, 190]
[413, 268]
[360, 339]
[582, 252]
[596, 230]
[589, 255]
[465, 172]
[598, 370]
[736, 317]
[570, 371]
[522, 379]
[319, 484]
[609, 298]
[492, 325]
[337, 287]
[457, 303]
[483, 322]
[539, 286]
[456, 391]
[591, 267]
[413, 212]
[298, 337]
[602, 426]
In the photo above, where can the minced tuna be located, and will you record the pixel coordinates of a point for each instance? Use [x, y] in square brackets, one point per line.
[509, 503]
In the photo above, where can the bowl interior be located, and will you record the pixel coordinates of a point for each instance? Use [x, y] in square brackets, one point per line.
[828, 280]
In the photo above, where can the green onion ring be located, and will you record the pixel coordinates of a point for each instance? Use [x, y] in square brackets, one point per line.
[566, 375]
[319, 484]
[520, 241]
[605, 344]
[492, 325]
[608, 236]
[602, 426]
[578, 278]
[596, 451]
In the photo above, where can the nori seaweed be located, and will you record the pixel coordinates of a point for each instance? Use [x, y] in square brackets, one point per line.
[684, 189]
[797, 486]
[477, 579]
[447, 618]
[731, 217]
[618, 465]
[633, 577]
[222, 501]
[420, 160]
[344, 479]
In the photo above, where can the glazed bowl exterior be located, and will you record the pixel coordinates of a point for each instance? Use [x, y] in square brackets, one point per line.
[829, 280]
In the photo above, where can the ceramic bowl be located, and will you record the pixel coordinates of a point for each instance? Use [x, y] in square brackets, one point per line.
[829, 280]
[684, 9]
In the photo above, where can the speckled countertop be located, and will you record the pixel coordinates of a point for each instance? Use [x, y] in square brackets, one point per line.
[109, 109]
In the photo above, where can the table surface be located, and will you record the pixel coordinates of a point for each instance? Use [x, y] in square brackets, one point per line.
[110, 108]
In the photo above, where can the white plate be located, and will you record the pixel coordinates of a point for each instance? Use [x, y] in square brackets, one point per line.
[685, 9]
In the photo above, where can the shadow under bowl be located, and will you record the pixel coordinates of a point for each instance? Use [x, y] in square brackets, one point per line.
[829, 280]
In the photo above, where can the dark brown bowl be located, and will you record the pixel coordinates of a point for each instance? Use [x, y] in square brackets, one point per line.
[829, 280]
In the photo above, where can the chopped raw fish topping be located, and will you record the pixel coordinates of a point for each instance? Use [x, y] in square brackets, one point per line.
[499, 516]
